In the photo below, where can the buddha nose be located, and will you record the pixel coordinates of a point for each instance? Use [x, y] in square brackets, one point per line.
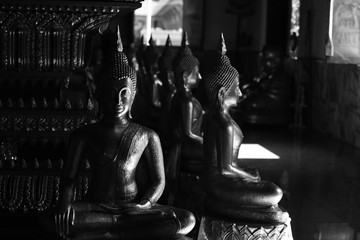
[239, 92]
[199, 75]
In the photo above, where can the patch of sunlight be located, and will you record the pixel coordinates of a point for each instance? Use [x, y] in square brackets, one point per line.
[254, 150]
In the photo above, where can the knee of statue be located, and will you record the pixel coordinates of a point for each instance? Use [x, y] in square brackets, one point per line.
[230, 190]
[126, 168]
[186, 113]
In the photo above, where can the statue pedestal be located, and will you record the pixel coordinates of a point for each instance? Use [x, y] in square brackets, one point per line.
[215, 228]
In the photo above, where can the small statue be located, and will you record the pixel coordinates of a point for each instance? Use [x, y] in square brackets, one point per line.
[232, 191]
[166, 74]
[167, 91]
[185, 119]
[266, 99]
[151, 58]
[150, 85]
[127, 171]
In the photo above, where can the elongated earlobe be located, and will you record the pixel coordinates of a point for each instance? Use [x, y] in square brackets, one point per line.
[131, 104]
[221, 96]
[185, 79]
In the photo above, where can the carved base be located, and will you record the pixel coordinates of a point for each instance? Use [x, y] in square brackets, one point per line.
[214, 228]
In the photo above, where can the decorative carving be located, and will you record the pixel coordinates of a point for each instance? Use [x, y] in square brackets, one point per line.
[211, 228]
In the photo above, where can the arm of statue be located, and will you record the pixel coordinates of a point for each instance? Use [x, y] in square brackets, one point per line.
[187, 115]
[64, 213]
[155, 162]
[226, 164]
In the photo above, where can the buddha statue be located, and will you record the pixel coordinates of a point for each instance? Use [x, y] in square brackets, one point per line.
[232, 191]
[168, 90]
[127, 172]
[151, 57]
[266, 99]
[185, 119]
[151, 87]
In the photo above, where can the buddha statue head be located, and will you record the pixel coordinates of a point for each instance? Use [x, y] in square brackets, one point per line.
[222, 81]
[271, 58]
[118, 89]
[151, 57]
[186, 66]
[165, 65]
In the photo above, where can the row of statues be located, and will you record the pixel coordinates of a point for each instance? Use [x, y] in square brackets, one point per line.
[128, 173]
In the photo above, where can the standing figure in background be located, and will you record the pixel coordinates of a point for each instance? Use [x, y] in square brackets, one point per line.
[232, 191]
[267, 99]
[127, 172]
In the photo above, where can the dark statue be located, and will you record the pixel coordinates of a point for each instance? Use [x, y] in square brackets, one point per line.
[151, 57]
[267, 99]
[167, 92]
[232, 191]
[127, 172]
[186, 113]
[151, 87]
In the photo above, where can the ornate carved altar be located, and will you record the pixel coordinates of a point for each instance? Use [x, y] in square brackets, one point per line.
[45, 94]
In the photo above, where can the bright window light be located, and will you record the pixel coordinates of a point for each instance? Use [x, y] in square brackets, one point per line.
[159, 18]
[255, 151]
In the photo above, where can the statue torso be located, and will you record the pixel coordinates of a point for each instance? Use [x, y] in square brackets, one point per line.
[179, 102]
[214, 124]
[113, 158]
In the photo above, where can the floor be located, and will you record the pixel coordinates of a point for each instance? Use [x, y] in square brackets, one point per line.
[320, 177]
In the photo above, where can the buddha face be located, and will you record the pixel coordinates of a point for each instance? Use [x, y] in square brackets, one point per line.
[117, 97]
[232, 95]
[270, 61]
[192, 79]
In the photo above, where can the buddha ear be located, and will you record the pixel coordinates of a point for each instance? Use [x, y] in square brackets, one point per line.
[185, 76]
[131, 103]
[221, 95]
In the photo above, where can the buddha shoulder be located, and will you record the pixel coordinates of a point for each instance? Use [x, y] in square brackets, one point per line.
[146, 132]
[220, 120]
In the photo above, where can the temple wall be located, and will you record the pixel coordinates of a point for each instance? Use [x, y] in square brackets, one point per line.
[332, 90]
[335, 104]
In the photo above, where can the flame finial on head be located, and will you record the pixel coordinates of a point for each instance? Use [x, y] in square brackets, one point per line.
[151, 41]
[185, 40]
[222, 46]
[168, 41]
[120, 47]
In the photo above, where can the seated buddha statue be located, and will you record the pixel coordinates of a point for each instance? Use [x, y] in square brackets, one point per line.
[186, 113]
[266, 99]
[127, 172]
[168, 90]
[151, 57]
[230, 190]
[151, 87]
